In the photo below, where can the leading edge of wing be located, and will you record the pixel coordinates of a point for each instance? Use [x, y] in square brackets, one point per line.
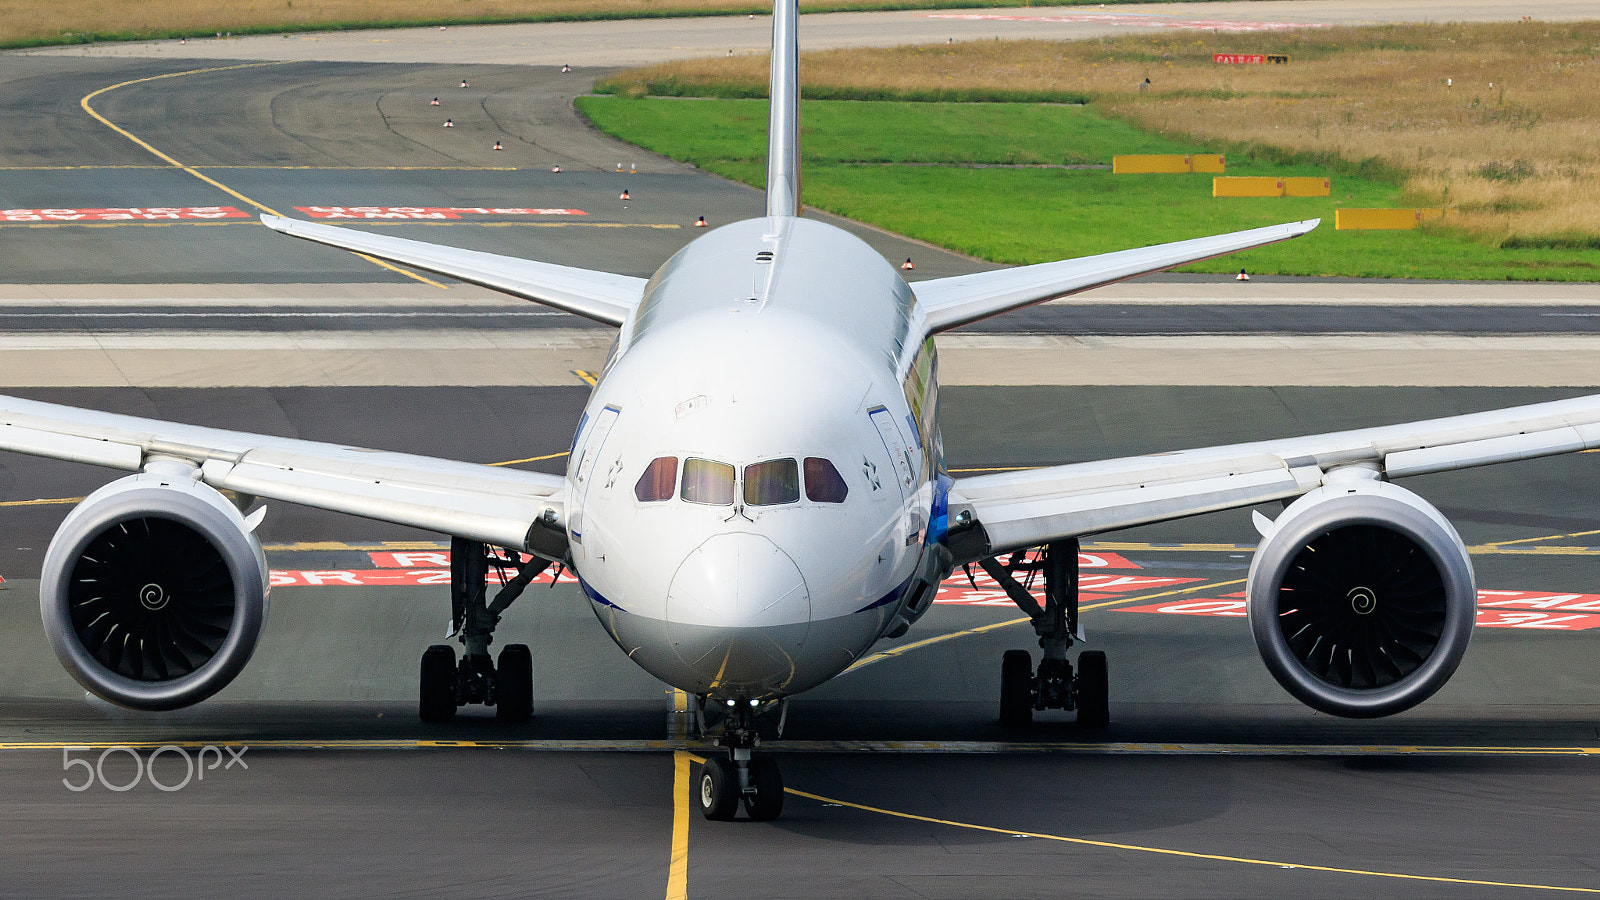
[487, 503]
[1026, 508]
[600, 296]
[959, 300]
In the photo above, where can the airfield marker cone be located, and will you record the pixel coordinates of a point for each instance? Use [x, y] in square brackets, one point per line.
[449, 124]
[625, 195]
[555, 168]
[565, 69]
[1242, 276]
[700, 222]
[435, 102]
[497, 146]
[463, 82]
[907, 264]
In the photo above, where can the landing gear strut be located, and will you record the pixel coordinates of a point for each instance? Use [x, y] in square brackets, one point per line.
[1054, 685]
[508, 686]
[742, 775]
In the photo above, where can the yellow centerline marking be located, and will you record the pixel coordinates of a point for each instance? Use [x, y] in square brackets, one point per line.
[1187, 854]
[167, 224]
[678, 871]
[303, 546]
[892, 652]
[513, 462]
[601, 745]
[429, 223]
[997, 469]
[1552, 537]
[200, 175]
[312, 168]
[52, 501]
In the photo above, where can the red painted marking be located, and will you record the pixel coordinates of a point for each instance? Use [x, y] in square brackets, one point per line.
[1098, 560]
[428, 212]
[412, 559]
[1496, 609]
[394, 576]
[1092, 585]
[1239, 58]
[1139, 21]
[121, 214]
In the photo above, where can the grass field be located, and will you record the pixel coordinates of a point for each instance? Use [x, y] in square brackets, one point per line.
[898, 165]
[1496, 122]
[29, 23]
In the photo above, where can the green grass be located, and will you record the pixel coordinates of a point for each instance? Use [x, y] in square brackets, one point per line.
[1035, 215]
[703, 132]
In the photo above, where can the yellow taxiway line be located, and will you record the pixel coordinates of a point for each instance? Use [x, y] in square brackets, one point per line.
[678, 870]
[1187, 854]
[195, 172]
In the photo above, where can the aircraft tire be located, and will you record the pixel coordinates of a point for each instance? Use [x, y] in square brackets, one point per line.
[1094, 687]
[717, 790]
[1016, 689]
[766, 803]
[514, 684]
[437, 702]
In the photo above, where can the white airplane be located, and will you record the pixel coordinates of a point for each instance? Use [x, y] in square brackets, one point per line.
[757, 494]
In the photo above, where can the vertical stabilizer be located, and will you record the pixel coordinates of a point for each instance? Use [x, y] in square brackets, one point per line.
[783, 129]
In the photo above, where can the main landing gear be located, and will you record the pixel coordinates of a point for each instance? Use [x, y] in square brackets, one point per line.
[1054, 685]
[742, 775]
[508, 685]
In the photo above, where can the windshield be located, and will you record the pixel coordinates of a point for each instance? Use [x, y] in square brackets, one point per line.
[708, 482]
[771, 483]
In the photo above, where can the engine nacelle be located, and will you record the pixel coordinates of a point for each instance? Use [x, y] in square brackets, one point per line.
[154, 590]
[1362, 598]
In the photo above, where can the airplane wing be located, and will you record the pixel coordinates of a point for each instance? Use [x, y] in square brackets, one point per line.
[600, 296]
[1024, 509]
[496, 505]
[952, 302]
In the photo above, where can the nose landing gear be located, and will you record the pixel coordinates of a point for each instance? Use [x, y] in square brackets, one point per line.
[508, 685]
[743, 775]
[1054, 685]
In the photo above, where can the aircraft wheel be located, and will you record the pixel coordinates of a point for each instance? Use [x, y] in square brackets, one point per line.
[514, 684]
[718, 792]
[1094, 687]
[1016, 689]
[766, 803]
[438, 688]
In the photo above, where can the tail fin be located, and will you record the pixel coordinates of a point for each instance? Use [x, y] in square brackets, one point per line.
[783, 128]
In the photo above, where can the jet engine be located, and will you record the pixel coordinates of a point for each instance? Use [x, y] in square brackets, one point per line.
[154, 590]
[1361, 597]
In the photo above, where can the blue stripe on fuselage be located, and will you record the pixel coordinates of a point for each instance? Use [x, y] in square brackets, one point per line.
[595, 595]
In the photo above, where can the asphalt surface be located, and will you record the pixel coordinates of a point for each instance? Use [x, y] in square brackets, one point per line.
[539, 818]
[1210, 781]
[1075, 319]
[310, 134]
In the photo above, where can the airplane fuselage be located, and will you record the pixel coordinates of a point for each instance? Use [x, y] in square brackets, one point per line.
[755, 486]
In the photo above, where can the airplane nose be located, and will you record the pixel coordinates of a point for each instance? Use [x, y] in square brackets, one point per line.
[738, 581]
[738, 612]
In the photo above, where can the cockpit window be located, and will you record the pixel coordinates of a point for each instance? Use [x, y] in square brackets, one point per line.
[772, 482]
[658, 481]
[824, 484]
[707, 482]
